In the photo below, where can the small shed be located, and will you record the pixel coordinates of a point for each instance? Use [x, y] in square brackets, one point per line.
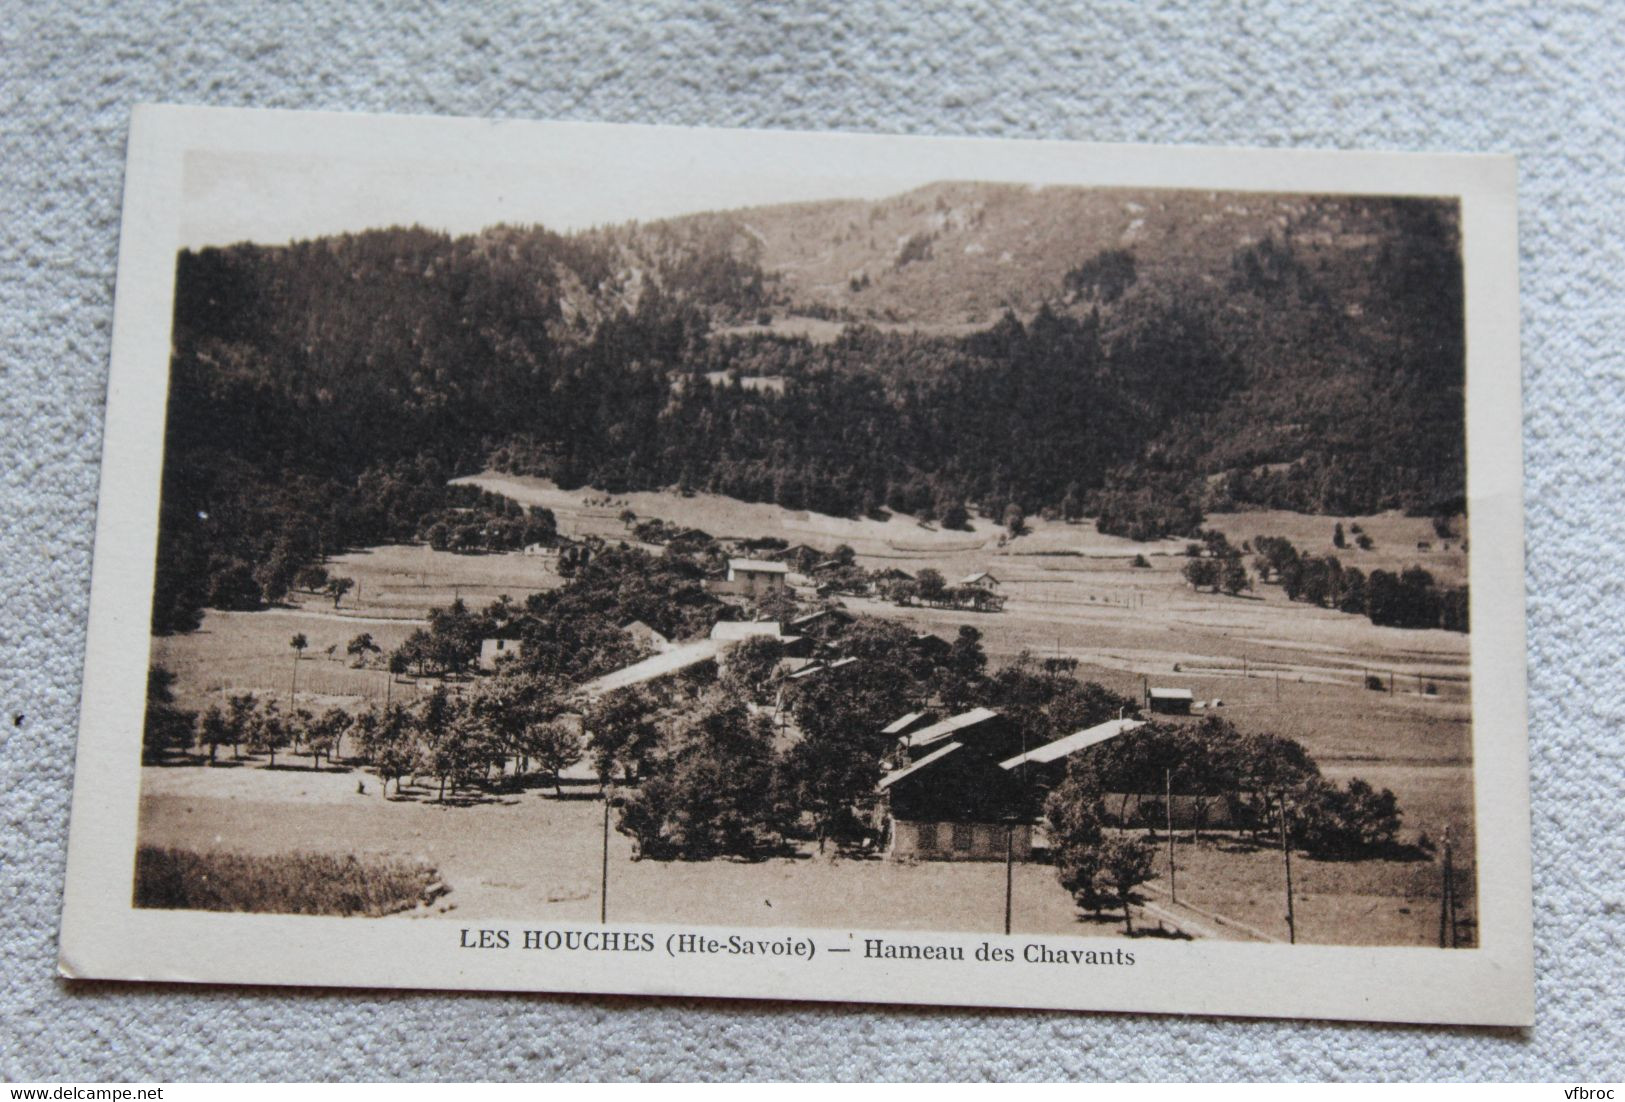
[1170, 702]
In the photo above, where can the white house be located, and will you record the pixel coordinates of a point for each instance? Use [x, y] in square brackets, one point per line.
[981, 580]
[752, 577]
[494, 648]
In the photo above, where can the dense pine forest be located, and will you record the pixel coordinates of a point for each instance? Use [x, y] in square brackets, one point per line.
[1305, 353]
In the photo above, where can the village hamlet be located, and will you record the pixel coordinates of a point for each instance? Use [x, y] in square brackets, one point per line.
[975, 558]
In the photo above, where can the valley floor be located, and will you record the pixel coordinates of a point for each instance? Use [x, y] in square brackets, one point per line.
[1262, 662]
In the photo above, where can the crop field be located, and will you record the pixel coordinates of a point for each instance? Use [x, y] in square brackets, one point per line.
[1259, 660]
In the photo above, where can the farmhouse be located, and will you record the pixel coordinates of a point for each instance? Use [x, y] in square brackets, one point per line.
[502, 645]
[980, 580]
[1170, 702]
[751, 578]
[821, 624]
[956, 804]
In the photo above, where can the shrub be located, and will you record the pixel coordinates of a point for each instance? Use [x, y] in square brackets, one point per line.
[1141, 563]
[291, 883]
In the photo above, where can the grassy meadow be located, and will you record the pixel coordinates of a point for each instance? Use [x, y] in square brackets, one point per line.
[1264, 663]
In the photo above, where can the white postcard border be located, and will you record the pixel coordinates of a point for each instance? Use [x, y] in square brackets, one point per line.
[104, 936]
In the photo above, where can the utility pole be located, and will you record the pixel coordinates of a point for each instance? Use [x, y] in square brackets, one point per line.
[1168, 806]
[1447, 899]
[603, 883]
[1009, 866]
[1286, 857]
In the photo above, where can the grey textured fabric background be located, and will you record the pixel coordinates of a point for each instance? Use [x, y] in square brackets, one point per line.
[1544, 82]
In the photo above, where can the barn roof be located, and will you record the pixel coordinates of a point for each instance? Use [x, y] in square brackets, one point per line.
[734, 630]
[908, 770]
[640, 626]
[951, 726]
[1172, 694]
[758, 566]
[654, 667]
[902, 722]
[814, 617]
[1071, 744]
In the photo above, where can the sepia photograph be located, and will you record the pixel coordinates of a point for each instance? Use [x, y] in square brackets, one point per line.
[1015, 557]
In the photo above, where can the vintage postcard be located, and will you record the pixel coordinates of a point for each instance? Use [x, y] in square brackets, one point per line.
[565, 557]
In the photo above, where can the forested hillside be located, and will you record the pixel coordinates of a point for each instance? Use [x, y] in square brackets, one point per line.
[1142, 358]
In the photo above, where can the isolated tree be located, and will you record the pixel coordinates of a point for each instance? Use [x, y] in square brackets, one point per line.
[556, 746]
[456, 744]
[299, 644]
[1234, 577]
[326, 734]
[214, 730]
[1125, 864]
[931, 585]
[388, 740]
[1338, 539]
[269, 732]
[240, 720]
[336, 588]
[301, 723]
[628, 518]
[1074, 815]
[1015, 520]
[360, 647]
[712, 794]
[1202, 572]
[310, 578]
[167, 728]
[622, 732]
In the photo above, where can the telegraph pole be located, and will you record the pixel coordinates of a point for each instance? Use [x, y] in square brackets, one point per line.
[603, 883]
[1286, 858]
[1447, 899]
[1009, 866]
[1168, 806]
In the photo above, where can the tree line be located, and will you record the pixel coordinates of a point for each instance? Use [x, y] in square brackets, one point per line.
[322, 393]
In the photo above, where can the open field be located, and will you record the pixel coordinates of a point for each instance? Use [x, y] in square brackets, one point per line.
[824, 331]
[531, 856]
[1263, 662]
